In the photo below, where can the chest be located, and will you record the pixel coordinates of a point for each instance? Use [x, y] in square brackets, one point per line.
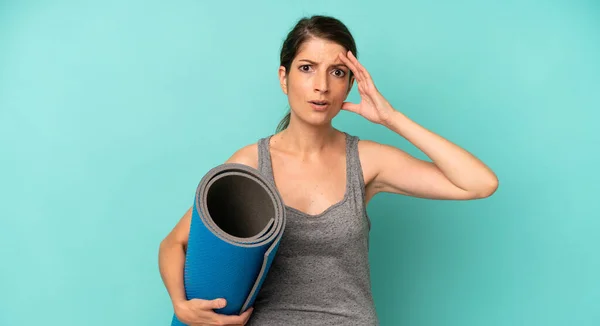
[311, 186]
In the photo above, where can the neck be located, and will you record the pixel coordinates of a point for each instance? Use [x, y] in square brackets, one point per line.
[307, 139]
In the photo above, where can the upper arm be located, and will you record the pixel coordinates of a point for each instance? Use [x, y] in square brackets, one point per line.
[180, 233]
[395, 171]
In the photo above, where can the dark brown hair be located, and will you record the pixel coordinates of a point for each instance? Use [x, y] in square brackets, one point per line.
[324, 27]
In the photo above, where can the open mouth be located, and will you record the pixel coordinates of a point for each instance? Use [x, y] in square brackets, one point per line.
[319, 105]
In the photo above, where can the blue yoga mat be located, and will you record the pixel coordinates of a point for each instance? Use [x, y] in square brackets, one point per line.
[238, 219]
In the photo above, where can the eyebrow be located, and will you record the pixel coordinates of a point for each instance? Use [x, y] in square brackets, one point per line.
[334, 65]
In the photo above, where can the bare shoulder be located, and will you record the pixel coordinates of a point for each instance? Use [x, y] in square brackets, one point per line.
[247, 155]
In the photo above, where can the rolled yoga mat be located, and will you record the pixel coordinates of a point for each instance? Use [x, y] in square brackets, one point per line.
[238, 219]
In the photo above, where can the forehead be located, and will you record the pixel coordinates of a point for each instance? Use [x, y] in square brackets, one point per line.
[320, 50]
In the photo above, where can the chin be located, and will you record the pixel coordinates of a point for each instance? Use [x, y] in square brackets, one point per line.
[319, 120]
[316, 118]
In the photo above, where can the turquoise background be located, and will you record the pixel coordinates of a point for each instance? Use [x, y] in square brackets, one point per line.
[112, 111]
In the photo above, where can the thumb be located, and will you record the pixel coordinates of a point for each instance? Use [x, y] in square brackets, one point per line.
[349, 106]
[214, 304]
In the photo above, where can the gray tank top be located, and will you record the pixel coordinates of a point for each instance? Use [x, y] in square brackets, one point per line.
[321, 273]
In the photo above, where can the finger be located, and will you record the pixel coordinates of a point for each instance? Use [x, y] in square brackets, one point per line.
[349, 64]
[358, 65]
[246, 315]
[363, 83]
[368, 83]
[348, 106]
[231, 320]
[235, 320]
[211, 304]
[352, 67]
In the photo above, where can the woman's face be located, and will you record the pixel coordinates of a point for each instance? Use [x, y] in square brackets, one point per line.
[316, 75]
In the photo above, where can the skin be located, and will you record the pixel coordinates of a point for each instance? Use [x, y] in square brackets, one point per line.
[308, 157]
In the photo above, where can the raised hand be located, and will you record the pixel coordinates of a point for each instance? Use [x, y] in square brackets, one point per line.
[373, 106]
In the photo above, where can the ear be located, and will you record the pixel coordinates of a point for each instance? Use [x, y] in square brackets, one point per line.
[283, 79]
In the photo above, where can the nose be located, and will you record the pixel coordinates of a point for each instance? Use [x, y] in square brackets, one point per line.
[321, 83]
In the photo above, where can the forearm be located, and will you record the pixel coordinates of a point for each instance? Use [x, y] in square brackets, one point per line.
[171, 264]
[460, 167]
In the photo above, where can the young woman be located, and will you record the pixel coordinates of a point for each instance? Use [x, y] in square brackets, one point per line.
[326, 178]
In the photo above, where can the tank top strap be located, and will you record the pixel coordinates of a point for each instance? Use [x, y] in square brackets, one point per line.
[356, 181]
[355, 176]
[264, 159]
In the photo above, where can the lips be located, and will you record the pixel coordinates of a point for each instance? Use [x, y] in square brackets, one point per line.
[320, 106]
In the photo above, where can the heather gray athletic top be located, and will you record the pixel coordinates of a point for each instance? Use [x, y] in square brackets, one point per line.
[321, 273]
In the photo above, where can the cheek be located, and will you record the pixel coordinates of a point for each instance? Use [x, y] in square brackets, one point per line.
[300, 88]
[340, 90]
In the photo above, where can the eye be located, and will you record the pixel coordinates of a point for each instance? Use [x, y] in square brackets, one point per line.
[341, 73]
[304, 66]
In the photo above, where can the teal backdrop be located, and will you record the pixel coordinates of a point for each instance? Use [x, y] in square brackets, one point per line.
[112, 111]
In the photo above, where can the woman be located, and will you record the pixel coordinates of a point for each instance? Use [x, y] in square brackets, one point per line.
[326, 177]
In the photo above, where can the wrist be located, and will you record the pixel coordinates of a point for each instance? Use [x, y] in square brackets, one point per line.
[392, 119]
[178, 303]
